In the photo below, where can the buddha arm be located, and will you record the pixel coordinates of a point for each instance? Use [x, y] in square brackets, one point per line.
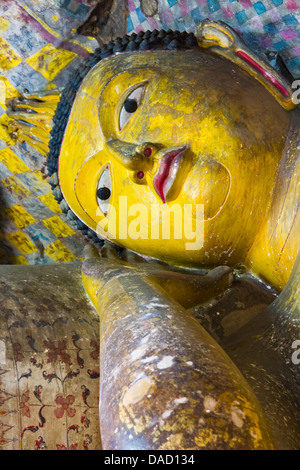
[164, 381]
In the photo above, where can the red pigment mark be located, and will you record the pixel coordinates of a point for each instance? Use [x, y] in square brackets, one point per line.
[147, 152]
[140, 175]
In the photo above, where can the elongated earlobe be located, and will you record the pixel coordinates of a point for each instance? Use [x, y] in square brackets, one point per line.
[223, 40]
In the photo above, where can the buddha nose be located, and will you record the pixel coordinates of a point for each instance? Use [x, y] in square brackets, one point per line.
[135, 157]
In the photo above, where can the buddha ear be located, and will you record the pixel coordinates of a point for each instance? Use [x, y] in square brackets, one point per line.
[223, 40]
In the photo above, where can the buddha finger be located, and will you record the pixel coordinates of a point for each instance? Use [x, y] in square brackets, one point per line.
[90, 252]
[40, 106]
[109, 251]
[43, 95]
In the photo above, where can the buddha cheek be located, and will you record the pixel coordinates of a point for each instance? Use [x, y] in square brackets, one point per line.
[208, 183]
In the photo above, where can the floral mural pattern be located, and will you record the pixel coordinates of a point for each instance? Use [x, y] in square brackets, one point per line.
[49, 363]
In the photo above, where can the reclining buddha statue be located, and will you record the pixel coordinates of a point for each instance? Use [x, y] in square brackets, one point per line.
[182, 152]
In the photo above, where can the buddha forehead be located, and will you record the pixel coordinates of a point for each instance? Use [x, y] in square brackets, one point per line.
[132, 63]
[164, 73]
[194, 71]
[181, 83]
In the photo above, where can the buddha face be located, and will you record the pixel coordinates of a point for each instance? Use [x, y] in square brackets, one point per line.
[172, 155]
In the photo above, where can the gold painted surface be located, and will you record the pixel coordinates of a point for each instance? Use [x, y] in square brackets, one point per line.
[234, 133]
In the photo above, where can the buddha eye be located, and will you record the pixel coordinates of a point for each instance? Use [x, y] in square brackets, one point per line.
[130, 105]
[104, 190]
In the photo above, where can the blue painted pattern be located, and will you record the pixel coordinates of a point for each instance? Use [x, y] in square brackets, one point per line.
[263, 24]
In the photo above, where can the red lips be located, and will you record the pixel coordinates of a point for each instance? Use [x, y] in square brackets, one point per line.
[161, 178]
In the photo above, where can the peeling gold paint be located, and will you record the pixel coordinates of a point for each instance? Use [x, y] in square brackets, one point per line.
[174, 442]
[206, 438]
[137, 391]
